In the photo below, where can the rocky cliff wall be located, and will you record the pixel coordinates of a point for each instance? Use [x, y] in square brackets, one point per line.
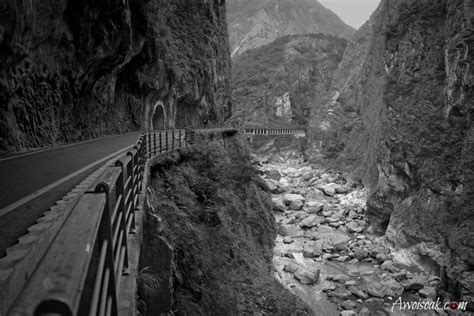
[408, 129]
[72, 70]
[209, 234]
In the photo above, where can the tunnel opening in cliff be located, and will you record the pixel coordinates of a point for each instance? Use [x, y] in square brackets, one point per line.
[158, 119]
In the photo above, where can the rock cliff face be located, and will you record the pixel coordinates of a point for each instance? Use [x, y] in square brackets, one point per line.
[408, 129]
[253, 23]
[71, 70]
[209, 234]
[275, 83]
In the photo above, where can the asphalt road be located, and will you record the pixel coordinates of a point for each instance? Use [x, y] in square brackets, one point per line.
[23, 175]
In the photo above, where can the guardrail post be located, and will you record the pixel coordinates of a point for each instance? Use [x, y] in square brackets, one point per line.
[172, 139]
[149, 145]
[161, 142]
[105, 285]
[133, 178]
[154, 143]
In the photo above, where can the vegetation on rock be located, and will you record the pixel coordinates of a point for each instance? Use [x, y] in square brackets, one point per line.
[210, 207]
[299, 66]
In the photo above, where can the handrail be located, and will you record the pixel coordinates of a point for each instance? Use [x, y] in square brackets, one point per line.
[81, 272]
[268, 130]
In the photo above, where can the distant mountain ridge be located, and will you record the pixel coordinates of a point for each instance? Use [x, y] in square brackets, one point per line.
[273, 84]
[254, 23]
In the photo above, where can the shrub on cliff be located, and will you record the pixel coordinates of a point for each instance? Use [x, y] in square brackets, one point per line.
[218, 226]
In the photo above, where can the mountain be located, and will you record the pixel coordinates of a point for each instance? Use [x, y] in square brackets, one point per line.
[274, 83]
[253, 23]
[403, 117]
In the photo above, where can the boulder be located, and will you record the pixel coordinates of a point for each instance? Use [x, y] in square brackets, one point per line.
[329, 288]
[360, 253]
[313, 249]
[296, 205]
[339, 278]
[307, 275]
[393, 288]
[329, 191]
[307, 176]
[415, 283]
[288, 240]
[348, 313]
[388, 265]
[283, 231]
[273, 174]
[291, 267]
[278, 205]
[341, 189]
[354, 227]
[313, 207]
[341, 258]
[376, 289]
[310, 222]
[348, 305]
[289, 198]
[272, 185]
[340, 293]
[357, 292]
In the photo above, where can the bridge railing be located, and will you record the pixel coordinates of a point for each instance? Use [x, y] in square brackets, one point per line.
[81, 272]
[297, 131]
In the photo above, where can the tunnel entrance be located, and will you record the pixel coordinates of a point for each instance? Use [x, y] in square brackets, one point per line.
[158, 119]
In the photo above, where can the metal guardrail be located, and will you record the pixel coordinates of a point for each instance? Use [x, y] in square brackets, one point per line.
[81, 272]
[274, 131]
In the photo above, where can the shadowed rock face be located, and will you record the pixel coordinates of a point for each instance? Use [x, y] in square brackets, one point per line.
[253, 23]
[405, 108]
[71, 70]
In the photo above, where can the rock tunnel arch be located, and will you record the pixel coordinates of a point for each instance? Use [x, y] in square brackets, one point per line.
[158, 119]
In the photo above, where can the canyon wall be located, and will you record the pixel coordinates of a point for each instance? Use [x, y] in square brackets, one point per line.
[209, 234]
[405, 109]
[73, 70]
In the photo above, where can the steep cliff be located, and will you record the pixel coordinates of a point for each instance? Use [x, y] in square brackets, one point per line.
[253, 23]
[208, 237]
[275, 83]
[71, 70]
[407, 82]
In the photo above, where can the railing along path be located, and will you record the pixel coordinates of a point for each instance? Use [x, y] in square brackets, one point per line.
[82, 270]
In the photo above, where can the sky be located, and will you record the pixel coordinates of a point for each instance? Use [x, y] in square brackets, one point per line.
[353, 12]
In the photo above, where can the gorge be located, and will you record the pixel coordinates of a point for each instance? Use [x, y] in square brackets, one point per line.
[373, 206]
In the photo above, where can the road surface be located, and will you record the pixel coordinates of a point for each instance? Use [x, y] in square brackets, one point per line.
[24, 175]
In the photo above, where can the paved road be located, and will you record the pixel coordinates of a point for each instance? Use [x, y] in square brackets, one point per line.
[24, 175]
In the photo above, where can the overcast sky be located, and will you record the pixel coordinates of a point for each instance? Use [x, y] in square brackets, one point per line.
[353, 12]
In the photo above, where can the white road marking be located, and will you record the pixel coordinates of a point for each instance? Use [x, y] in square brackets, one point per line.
[32, 196]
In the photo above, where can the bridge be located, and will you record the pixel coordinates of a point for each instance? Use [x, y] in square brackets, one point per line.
[81, 255]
